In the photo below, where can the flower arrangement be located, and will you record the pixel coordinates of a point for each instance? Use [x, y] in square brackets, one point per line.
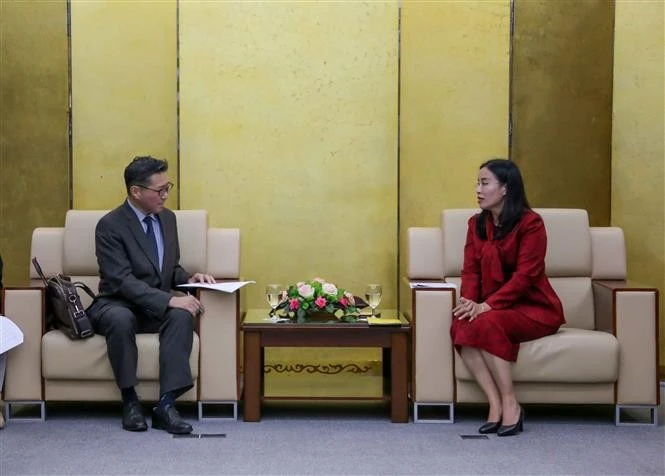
[305, 298]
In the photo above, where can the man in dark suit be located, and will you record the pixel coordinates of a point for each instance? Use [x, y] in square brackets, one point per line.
[138, 255]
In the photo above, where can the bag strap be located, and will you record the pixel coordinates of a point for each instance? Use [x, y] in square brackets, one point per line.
[38, 268]
[85, 287]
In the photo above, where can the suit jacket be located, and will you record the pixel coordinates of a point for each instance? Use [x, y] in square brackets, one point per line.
[509, 273]
[129, 274]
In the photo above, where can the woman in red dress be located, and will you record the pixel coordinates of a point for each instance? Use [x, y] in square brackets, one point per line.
[505, 296]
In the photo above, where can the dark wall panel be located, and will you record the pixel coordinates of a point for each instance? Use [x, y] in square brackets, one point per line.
[562, 103]
[34, 157]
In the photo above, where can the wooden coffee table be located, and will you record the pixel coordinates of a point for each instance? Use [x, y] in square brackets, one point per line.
[260, 332]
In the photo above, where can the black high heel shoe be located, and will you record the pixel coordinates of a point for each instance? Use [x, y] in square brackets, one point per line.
[512, 429]
[489, 427]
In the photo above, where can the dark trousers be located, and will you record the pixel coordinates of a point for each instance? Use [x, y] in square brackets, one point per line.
[120, 325]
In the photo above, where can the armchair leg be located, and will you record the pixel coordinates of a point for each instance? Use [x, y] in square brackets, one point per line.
[228, 410]
[448, 412]
[637, 415]
[10, 416]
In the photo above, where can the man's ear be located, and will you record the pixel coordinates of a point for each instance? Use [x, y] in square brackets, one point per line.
[134, 191]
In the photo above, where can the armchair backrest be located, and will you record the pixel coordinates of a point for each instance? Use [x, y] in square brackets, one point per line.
[576, 253]
[70, 250]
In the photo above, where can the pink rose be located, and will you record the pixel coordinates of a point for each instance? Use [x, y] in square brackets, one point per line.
[294, 304]
[320, 302]
[350, 297]
[343, 301]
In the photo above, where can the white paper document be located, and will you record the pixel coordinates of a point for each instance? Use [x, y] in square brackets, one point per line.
[432, 285]
[10, 335]
[225, 287]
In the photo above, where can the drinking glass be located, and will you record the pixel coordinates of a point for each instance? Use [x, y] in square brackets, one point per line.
[373, 296]
[273, 295]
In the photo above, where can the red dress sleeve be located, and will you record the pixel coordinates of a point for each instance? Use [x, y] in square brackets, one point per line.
[471, 266]
[531, 249]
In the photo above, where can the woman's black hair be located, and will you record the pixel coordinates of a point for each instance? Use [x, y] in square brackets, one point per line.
[514, 203]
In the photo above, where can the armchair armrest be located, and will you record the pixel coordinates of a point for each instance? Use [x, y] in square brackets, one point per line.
[630, 312]
[23, 378]
[218, 354]
[430, 313]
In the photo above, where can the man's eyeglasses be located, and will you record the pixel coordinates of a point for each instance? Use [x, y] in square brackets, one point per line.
[161, 191]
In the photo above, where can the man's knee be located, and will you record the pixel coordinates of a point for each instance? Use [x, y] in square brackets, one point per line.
[118, 321]
[180, 319]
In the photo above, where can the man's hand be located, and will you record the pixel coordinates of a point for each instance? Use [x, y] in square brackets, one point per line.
[201, 278]
[468, 309]
[188, 303]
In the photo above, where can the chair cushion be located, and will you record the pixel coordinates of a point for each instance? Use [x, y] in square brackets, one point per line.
[87, 359]
[569, 356]
[78, 256]
[193, 239]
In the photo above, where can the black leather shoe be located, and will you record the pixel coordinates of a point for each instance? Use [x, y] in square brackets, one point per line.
[489, 427]
[511, 430]
[170, 420]
[133, 418]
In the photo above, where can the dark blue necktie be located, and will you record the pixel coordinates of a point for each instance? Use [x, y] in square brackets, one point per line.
[152, 239]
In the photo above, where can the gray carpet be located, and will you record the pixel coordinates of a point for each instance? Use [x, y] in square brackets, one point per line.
[316, 439]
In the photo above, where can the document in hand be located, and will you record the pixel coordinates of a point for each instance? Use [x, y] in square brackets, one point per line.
[432, 285]
[225, 287]
[10, 335]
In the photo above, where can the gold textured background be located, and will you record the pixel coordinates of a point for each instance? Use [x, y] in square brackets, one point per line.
[289, 132]
[253, 159]
[454, 104]
[562, 103]
[638, 142]
[34, 156]
[124, 94]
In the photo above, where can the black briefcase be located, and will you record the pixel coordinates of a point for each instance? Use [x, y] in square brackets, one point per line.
[64, 310]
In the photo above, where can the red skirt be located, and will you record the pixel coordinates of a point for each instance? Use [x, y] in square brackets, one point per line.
[498, 332]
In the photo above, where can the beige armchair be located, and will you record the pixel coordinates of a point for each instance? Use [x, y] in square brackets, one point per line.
[607, 353]
[49, 367]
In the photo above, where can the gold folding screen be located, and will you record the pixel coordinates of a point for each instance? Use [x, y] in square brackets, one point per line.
[562, 103]
[123, 94]
[454, 83]
[289, 120]
[34, 159]
[638, 143]
[288, 115]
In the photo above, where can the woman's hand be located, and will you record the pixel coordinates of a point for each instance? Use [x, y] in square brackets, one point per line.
[468, 309]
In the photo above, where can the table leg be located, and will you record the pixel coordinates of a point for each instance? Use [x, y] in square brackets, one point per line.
[399, 405]
[386, 368]
[253, 376]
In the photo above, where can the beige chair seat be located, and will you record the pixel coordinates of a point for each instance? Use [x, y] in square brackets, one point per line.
[569, 356]
[65, 359]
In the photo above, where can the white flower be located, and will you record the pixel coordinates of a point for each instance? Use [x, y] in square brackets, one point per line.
[306, 291]
[319, 280]
[329, 289]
